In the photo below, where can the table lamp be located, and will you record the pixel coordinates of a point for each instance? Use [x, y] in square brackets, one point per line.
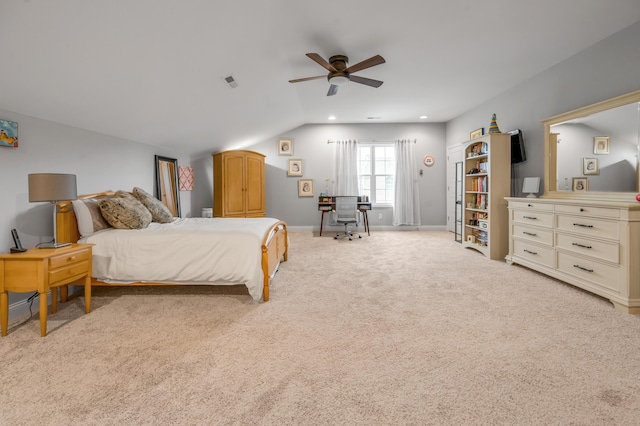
[52, 187]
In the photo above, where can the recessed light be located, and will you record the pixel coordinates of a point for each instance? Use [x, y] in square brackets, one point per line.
[423, 117]
[331, 117]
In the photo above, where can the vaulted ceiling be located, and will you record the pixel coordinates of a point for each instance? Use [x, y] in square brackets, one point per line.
[152, 71]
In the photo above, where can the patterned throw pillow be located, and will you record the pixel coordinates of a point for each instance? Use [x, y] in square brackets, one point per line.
[159, 212]
[88, 216]
[123, 211]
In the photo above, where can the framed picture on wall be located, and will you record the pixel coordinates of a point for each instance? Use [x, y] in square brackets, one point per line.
[295, 167]
[285, 146]
[601, 145]
[305, 188]
[590, 166]
[8, 133]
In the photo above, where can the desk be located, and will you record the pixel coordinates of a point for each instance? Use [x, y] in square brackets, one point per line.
[328, 204]
[42, 270]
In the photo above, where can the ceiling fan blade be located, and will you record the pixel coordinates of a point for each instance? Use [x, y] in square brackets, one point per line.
[333, 89]
[319, 59]
[367, 63]
[298, 80]
[367, 81]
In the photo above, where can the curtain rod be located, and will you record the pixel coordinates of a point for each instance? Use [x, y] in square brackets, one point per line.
[368, 141]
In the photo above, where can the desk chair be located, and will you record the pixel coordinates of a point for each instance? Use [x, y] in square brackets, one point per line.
[347, 213]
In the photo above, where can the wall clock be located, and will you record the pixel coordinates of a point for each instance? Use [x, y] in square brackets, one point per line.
[428, 160]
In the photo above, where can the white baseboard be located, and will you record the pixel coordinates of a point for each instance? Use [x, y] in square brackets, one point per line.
[21, 307]
[372, 229]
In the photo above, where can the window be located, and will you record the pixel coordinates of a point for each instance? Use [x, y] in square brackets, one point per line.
[376, 169]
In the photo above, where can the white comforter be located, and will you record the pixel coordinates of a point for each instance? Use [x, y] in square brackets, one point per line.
[186, 251]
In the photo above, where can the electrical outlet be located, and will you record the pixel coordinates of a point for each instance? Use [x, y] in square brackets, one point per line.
[379, 215]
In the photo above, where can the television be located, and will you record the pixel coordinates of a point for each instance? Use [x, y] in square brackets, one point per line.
[517, 147]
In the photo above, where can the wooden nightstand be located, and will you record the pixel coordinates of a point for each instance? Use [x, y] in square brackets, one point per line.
[42, 270]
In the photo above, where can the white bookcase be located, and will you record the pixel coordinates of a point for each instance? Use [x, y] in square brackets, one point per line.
[487, 181]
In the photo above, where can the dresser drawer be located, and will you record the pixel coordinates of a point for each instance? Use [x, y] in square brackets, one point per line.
[586, 269]
[589, 226]
[534, 253]
[589, 211]
[539, 235]
[599, 249]
[68, 273]
[69, 258]
[533, 217]
[530, 205]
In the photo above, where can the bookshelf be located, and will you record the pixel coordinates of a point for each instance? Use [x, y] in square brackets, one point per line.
[487, 181]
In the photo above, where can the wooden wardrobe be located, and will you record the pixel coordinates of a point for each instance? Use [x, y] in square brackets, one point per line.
[238, 184]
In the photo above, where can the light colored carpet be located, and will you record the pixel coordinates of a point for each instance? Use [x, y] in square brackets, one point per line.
[399, 328]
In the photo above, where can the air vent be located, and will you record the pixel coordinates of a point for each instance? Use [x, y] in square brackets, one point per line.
[374, 118]
[231, 81]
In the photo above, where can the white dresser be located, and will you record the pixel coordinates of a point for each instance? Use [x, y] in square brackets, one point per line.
[594, 245]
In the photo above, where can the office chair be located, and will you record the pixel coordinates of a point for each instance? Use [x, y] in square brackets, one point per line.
[347, 213]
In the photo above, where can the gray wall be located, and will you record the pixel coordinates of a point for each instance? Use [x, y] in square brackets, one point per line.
[310, 145]
[99, 162]
[607, 69]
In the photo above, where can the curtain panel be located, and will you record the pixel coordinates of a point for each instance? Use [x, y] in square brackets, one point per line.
[406, 209]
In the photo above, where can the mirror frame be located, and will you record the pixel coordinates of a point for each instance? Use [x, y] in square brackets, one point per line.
[167, 172]
[550, 149]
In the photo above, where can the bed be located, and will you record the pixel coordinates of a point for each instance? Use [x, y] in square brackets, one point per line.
[187, 251]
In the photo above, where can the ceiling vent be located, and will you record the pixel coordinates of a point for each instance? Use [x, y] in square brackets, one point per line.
[231, 82]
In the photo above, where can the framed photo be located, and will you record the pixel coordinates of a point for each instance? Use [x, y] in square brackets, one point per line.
[476, 133]
[590, 166]
[305, 188]
[295, 168]
[601, 145]
[8, 133]
[580, 184]
[285, 146]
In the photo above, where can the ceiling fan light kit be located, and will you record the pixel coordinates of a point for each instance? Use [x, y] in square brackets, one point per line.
[340, 74]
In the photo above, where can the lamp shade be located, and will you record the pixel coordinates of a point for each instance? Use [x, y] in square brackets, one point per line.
[52, 187]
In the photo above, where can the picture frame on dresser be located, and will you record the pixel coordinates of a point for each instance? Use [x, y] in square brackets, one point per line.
[580, 184]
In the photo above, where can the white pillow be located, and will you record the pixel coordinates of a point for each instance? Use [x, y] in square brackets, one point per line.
[88, 216]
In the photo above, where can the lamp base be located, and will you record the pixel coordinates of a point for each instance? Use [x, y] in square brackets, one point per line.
[53, 245]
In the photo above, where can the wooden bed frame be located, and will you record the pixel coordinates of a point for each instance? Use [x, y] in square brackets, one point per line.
[275, 245]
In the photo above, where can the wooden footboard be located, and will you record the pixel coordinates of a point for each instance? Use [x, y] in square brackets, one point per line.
[275, 245]
[275, 248]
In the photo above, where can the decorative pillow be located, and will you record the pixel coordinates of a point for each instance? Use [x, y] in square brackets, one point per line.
[88, 216]
[125, 212]
[159, 212]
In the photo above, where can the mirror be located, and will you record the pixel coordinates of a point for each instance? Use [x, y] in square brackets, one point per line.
[592, 152]
[167, 183]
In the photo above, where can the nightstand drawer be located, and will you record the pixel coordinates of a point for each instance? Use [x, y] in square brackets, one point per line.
[70, 272]
[69, 259]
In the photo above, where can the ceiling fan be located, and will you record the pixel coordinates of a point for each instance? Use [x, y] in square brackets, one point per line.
[340, 74]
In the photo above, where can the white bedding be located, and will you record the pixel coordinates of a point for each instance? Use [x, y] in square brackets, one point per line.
[186, 251]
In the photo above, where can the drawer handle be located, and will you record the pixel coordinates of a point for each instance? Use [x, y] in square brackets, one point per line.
[71, 259]
[529, 251]
[583, 268]
[530, 217]
[581, 209]
[529, 205]
[583, 225]
[531, 234]
[581, 245]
